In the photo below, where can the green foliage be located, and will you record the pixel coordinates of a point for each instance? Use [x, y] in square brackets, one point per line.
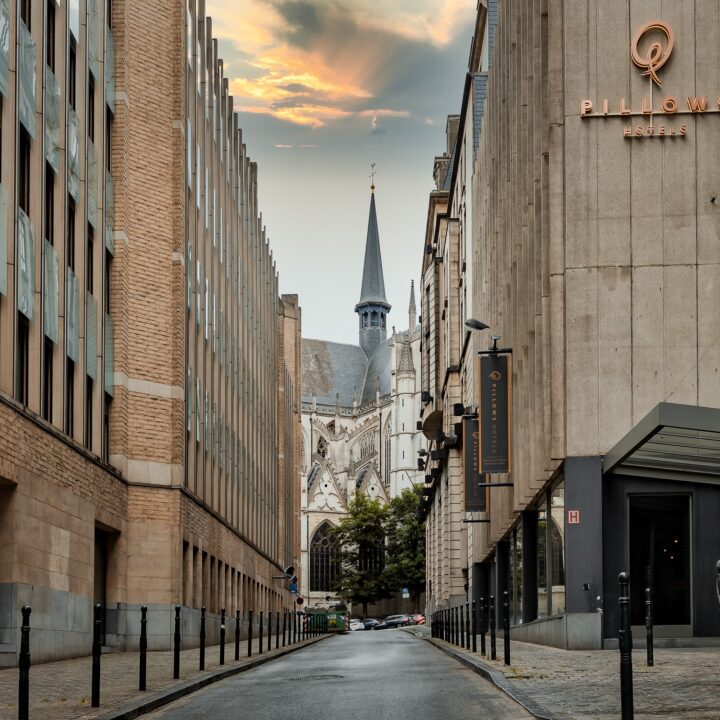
[361, 536]
[382, 549]
[405, 566]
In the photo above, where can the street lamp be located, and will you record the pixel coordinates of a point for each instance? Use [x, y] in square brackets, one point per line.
[472, 324]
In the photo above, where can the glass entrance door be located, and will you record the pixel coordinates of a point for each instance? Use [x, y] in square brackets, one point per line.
[660, 560]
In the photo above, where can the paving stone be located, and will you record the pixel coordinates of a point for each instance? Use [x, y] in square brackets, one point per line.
[61, 690]
[585, 685]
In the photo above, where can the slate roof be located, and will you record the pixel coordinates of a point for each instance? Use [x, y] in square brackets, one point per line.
[329, 368]
[373, 282]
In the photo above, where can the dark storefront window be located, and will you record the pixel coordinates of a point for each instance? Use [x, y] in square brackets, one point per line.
[518, 581]
[660, 558]
[557, 548]
[542, 563]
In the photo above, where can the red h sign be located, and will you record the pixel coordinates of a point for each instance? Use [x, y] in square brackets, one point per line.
[573, 517]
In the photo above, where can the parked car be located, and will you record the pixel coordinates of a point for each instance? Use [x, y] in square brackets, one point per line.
[356, 624]
[370, 623]
[418, 619]
[394, 621]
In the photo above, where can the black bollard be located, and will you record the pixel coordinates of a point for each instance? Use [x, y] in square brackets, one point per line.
[176, 645]
[625, 641]
[506, 627]
[96, 651]
[202, 637]
[261, 633]
[293, 627]
[222, 636]
[473, 626]
[467, 626]
[250, 632]
[493, 643]
[284, 626]
[456, 624]
[237, 635]
[142, 683]
[483, 649]
[24, 665]
[649, 626]
[461, 620]
[270, 617]
[277, 629]
[445, 625]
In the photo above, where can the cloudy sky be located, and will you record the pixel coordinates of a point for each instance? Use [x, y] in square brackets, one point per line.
[324, 88]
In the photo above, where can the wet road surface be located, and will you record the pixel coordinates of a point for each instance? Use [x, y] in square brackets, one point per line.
[371, 675]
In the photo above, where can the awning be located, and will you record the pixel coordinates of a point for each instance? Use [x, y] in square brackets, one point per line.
[672, 441]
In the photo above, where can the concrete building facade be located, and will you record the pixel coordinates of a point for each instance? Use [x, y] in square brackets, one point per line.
[586, 167]
[149, 371]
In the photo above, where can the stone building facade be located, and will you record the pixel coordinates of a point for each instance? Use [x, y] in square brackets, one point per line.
[582, 180]
[149, 371]
[360, 405]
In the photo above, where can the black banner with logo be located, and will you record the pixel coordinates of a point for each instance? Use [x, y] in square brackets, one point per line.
[475, 496]
[494, 402]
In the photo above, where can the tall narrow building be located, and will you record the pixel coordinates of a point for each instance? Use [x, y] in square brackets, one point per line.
[359, 409]
[149, 369]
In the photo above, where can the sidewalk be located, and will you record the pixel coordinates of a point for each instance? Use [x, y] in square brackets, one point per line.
[61, 690]
[684, 683]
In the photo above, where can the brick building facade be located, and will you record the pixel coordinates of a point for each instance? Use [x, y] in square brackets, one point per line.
[149, 370]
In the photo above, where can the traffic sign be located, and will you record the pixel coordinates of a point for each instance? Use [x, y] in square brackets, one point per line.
[405, 593]
[293, 588]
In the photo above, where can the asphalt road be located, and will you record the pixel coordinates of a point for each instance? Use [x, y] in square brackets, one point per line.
[375, 675]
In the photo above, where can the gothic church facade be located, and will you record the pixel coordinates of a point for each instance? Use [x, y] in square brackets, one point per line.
[360, 405]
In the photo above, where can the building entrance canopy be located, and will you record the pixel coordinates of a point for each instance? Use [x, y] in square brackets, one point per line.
[675, 442]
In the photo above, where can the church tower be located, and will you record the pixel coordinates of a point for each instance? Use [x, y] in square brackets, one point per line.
[373, 307]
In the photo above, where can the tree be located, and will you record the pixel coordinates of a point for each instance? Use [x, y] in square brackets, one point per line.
[361, 536]
[405, 565]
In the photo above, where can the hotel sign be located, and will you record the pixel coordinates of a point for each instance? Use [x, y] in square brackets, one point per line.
[651, 47]
[476, 497]
[494, 404]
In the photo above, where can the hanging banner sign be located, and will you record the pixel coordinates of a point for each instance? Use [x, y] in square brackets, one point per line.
[494, 404]
[475, 496]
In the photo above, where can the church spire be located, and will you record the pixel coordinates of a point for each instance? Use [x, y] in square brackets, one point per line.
[373, 282]
[373, 306]
[412, 310]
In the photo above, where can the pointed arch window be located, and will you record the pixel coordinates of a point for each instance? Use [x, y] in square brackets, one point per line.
[388, 449]
[324, 560]
[367, 445]
[322, 447]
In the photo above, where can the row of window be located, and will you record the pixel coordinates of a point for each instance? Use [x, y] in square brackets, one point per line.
[25, 248]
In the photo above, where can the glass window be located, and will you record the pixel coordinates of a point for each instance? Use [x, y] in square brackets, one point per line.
[556, 538]
[518, 589]
[52, 121]
[3, 240]
[91, 315]
[542, 563]
[4, 47]
[51, 292]
[28, 72]
[324, 560]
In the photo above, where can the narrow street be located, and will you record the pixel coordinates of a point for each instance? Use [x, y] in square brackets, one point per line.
[358, 676]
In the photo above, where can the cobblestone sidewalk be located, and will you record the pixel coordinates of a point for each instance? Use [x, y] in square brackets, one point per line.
[684, 683]
[61, 690]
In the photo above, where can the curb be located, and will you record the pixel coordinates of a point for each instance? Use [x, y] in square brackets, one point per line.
[497, 679]
[165, 697]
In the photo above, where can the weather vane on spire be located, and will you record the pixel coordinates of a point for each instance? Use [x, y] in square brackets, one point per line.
[372, 176]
